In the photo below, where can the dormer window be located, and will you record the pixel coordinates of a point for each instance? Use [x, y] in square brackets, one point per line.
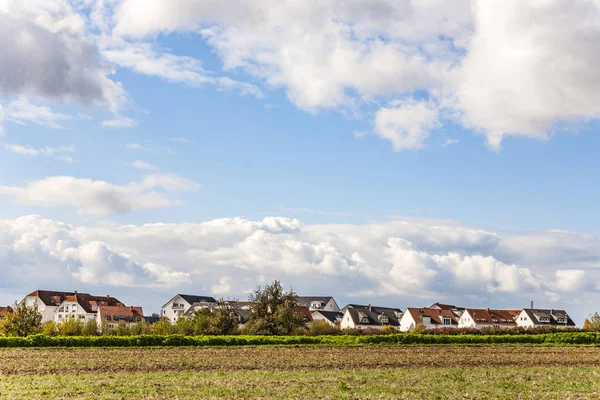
[364, 320]
[447, 321]
[384, 319]
[545, 319]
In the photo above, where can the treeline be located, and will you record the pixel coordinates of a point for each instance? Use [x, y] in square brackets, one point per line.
[562, 338]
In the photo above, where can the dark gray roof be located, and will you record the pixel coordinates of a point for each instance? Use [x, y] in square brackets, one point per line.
[536, 313]
[374, 308]
[306, 300]
[373, 316]
[190, 298]
[332, 316]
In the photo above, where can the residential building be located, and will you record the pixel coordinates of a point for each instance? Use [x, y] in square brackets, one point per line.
[441, 306]
[112, 316]
[429, 318]
[4, 311]
[306, 314]
[487, 318]
[57, 306]
[181, 303]
[536, 317]
[373, 317]
[316, 303]
[333, 318]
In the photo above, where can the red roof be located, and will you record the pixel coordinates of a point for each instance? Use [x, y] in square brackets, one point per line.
[485, 316]
[120, 314]
[436, 315]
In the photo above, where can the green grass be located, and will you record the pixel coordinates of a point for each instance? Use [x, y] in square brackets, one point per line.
[420, 383]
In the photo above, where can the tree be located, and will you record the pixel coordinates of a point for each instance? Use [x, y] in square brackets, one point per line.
[50, 328]
[70, 327]
[23, 321]
[593, 323]
[163, 326]
[90, 328]
[273, 311]
[223, 320]
[201, 322]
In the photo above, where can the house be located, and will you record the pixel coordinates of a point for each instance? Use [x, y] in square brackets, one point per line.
[57, 306]
[314, 303]
[429, 318]
[112, 316]
[372, 317]
[451, 307]
[4, 311]
[487, 318]
[333, 318]
[181, 303]
[536, 317]
[306, 314]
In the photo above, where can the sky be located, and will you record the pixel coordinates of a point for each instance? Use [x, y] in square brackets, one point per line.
[386, 152]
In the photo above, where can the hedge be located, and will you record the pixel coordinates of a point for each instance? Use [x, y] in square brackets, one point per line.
[577, 338]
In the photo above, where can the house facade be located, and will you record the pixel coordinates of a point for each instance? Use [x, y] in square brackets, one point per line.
[333, 318]
[488, 318]
[318, 303]
[370, 317]
[59, 306]
[429, 318]
[181, 303]
[113, 316]
[535, 317]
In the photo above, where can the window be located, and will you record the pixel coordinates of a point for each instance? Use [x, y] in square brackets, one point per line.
[364, 320]
[384, 319]
[447, 321]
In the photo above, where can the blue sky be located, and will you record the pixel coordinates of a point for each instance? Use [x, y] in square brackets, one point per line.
[341, 159]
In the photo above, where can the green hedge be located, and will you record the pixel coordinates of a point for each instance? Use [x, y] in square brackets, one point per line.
[586, 338]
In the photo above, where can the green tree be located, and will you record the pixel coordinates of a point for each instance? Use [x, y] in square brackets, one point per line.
[70, 327]
[592, 323]
[223, 320]
[50, 328]
[184, 326]
[23, 321]
[201, 322]
[90, 328]
[163, 326]
[273, 311]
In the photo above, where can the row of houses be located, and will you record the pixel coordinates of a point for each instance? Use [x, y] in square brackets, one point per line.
[108, 311]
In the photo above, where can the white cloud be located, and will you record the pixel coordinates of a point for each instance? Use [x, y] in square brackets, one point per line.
[58, 153]
[21, 111]
[406, 123]
[47, 52]
[449, 142]
[119, 122]
[406, 263]
[141, 165]
[135, 146]
[499, 67]
[99, 198]
[569, 280]
[149, 59]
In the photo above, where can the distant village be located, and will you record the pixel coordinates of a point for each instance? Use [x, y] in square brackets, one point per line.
[108, 311]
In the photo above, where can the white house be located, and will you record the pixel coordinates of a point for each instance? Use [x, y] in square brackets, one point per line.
[532, 318]
[318, 303]
[430, 318]
[113, 316]
[486, 318]
[58, 306]
[370, 317]
[333, 318]
[178, 305]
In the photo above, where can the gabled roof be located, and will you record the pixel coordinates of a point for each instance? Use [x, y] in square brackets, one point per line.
[374, 308]
[332, 316]
[307, 300]
[121, 314]
[443, 306]
[436, 315]
[373, 316]
[536, 313]
[85, 300]
[487, 316]
[191, 298]
[305, 311]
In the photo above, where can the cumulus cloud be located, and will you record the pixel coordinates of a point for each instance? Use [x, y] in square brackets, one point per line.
[406, 123]
[47, 52]
[405, 262]
[98, 198]
[22, 111]
[498, 67]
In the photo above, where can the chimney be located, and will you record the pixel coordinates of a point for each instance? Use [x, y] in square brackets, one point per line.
[108, 296]
[370, 308]
[75, 292]
[531, 302]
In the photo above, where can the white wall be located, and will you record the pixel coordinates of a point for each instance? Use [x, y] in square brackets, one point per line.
[174, 313]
